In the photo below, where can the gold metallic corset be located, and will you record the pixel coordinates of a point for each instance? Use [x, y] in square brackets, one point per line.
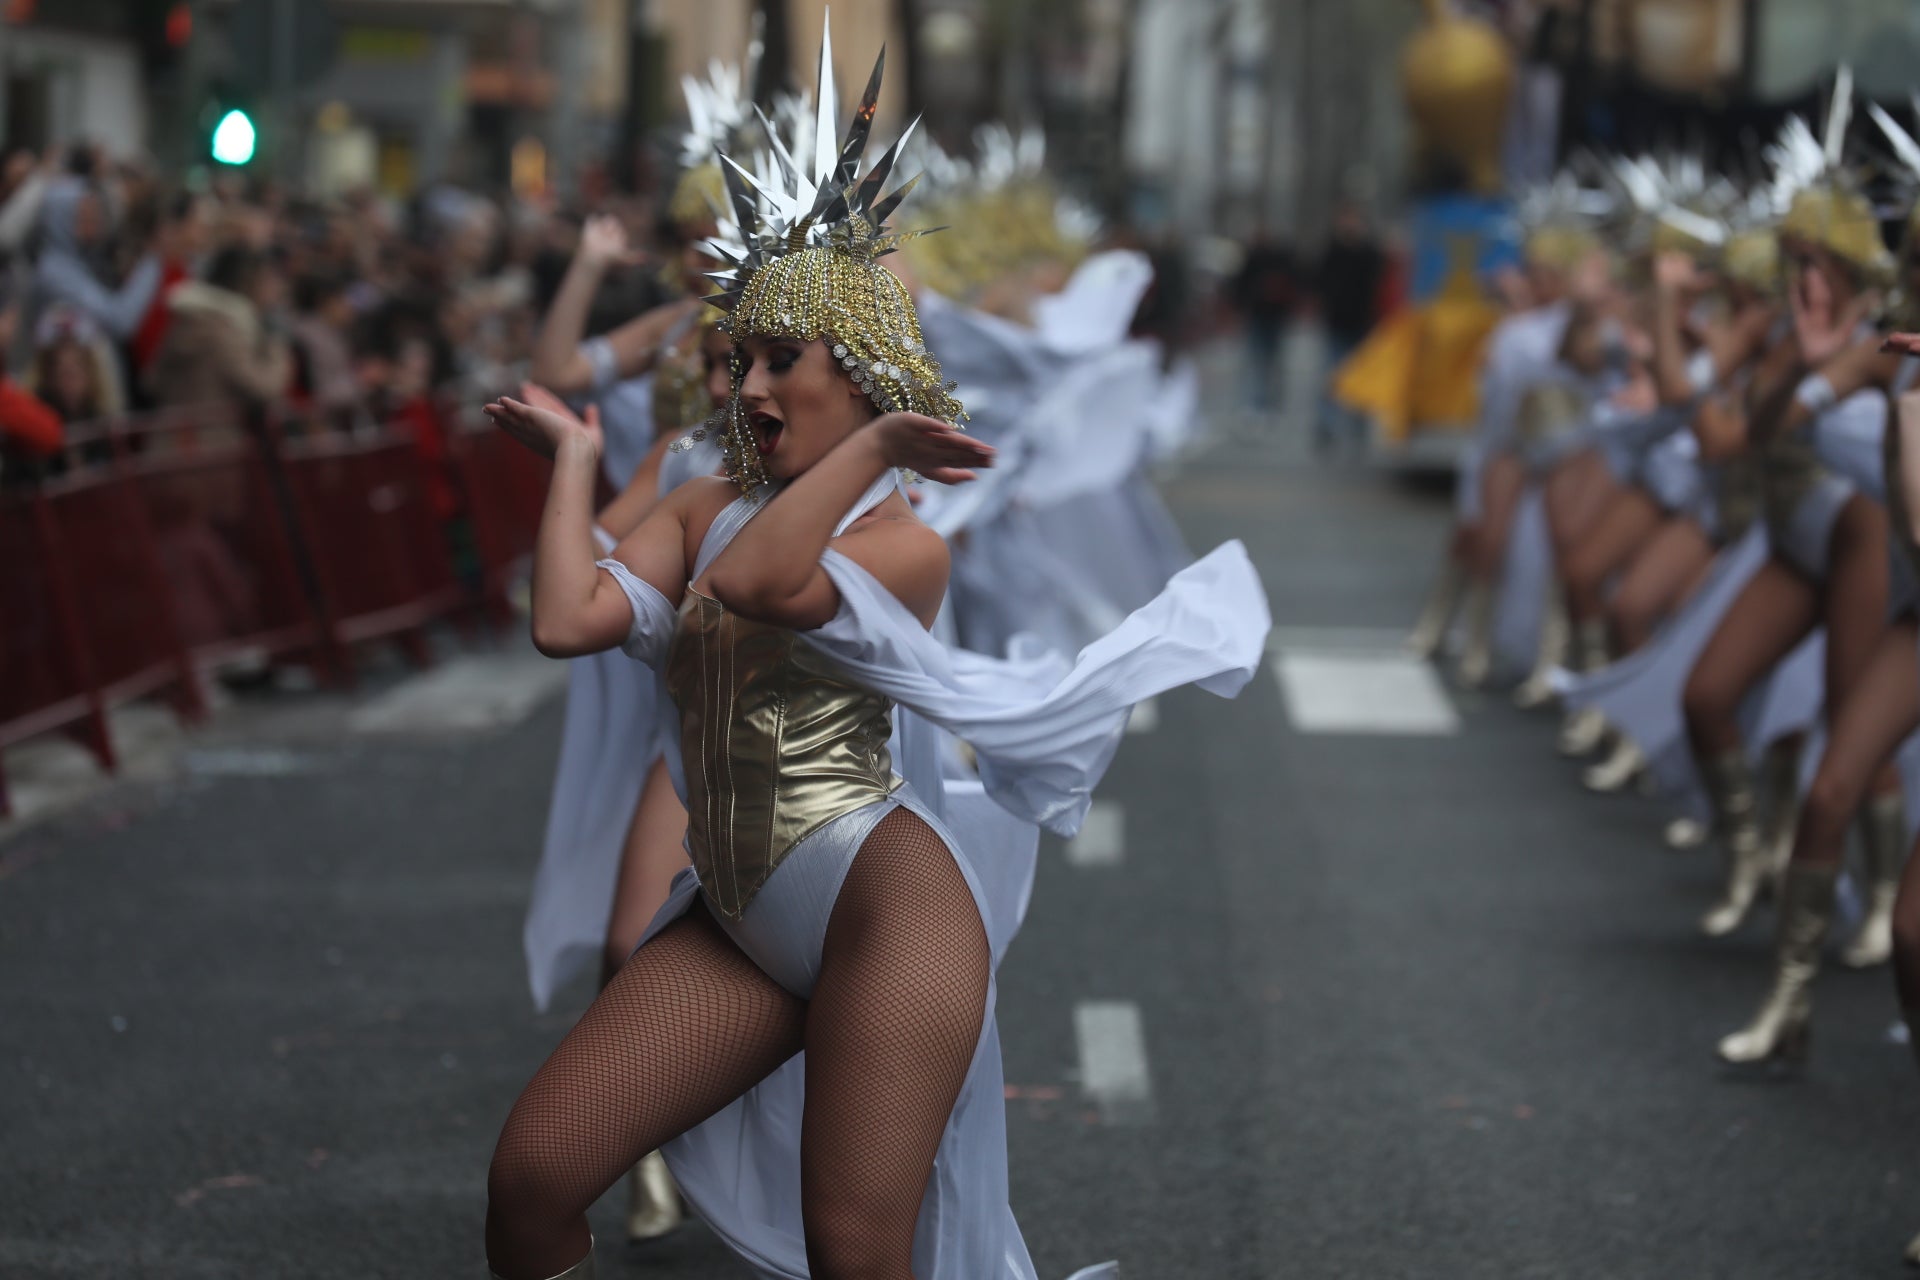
[1789, 470]
[1549, 410]
[776, 742]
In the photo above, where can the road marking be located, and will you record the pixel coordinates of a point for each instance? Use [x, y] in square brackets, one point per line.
[468, 693]
[1363, 691]
[1113, 1060]
[1102, 841]
[1145, 717]
[1336, 639]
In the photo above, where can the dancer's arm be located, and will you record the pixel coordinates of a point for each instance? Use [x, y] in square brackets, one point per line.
[577, 609]
[1720, 428]
[560, 360]
[771, 572]
[1906, 421]
[1673, 274]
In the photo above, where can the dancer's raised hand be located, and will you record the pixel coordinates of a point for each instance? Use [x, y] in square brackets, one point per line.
[930, 447]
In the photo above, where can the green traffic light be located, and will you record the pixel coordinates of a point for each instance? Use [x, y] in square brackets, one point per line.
[233, 138]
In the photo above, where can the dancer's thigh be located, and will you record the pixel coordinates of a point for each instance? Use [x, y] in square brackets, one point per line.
[1773, 613]
[891, 1031]
[1663, 572]
[1856, 593]
[687, 1025]
[1876, 716]
[1623, 526]
[654, 853]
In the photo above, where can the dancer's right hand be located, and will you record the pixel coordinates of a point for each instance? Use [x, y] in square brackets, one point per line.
[603, 243]
[932, 448]
[1905, 344]
[544, 425]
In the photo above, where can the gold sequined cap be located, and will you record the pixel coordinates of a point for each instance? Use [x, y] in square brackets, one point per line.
[802, 245]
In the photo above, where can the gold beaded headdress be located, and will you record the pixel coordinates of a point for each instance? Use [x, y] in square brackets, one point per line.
[1559, 220]
[802, 248]
[1822, 197]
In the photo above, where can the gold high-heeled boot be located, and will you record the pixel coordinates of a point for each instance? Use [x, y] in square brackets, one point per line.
[1617, 771]
[1556, 634]
[1780, 792]
[1729, 782]
[1430, 632]
[1584, 730]
[581, 1270]
[1476, 660]
[1781, 1028]
[1683, 834]
[1883, 837]
[653, 1209]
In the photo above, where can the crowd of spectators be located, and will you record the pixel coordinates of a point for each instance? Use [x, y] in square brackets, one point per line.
[123, 291]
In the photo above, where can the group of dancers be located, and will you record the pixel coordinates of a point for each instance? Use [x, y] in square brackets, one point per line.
[881, 582]
[1687, 520]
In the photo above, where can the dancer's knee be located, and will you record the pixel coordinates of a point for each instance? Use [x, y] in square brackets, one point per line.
[1830, 802]
[1707, 705]
[846, 1240]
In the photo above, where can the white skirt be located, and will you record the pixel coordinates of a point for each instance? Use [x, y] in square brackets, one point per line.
[740, 1169]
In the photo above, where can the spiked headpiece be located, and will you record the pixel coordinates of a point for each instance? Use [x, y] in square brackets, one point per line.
[802, 241]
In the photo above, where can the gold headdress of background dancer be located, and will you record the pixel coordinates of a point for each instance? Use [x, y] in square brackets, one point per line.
[719, 110]
[1824, 203]
[803, 248]
[1559, 222]
[1903, 301]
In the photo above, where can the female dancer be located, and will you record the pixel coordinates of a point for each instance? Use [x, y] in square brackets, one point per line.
[834, 914]
[1828, 562]
[1843, 408]
[1703, 508]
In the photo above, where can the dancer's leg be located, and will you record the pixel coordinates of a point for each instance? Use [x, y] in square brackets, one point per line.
[1624, 524]
[654, 853]
[1856, 594]
[1502, 483]
[891, 1031]
[1773, 613]
[1658, 581]
[1882, 709]
[1575, 492]
[687, 1025]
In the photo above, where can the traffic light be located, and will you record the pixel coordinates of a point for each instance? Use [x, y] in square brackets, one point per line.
[234, 138]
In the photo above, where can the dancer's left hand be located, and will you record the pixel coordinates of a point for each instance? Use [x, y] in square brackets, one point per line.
[930, 447]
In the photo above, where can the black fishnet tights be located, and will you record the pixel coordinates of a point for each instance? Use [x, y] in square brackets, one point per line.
[689, 1023]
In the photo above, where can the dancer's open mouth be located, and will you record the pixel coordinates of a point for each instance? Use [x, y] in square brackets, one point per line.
[766, 431]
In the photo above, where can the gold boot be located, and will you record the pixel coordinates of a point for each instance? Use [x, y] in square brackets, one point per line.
[1555, 635]
[1476, 660]
[581, 1270]
[1584, 730]
[1780, 790]
[1883, 836]
[1617, 771]
[1730, 784]
[1430, 632]
[654, 1207]
[1685, 833]
[1780, 1029]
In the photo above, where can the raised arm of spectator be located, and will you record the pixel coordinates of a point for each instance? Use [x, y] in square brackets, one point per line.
[21, 211]
[119, 311]
[564, 363]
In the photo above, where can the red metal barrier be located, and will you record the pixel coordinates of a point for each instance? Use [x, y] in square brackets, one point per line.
[362, 508]
[506, 486]
[46, 675]
[221, 536]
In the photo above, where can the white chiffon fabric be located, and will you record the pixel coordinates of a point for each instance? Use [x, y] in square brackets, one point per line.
[1045, 729]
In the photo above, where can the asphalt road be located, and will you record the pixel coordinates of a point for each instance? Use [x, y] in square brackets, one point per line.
[1406, 1005]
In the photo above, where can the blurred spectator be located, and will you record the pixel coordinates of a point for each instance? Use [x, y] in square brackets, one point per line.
[226, 339]
[179, 243]
[1266, 291]
[323, 350]
[68, 378]
[30, 431]
[1347, 282]
[73, 234]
